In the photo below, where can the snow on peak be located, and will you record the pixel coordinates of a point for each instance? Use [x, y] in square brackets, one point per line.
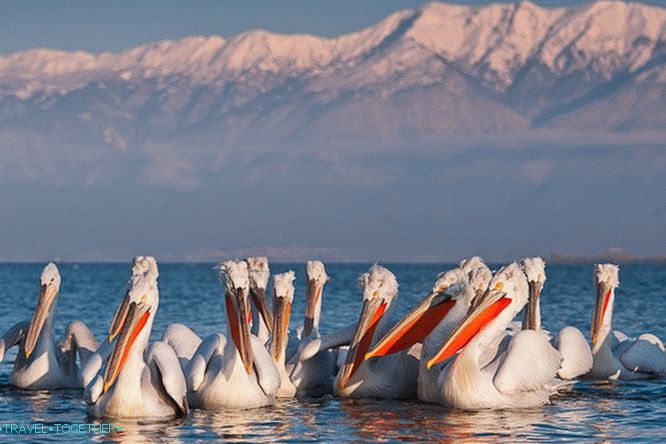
[491, 43]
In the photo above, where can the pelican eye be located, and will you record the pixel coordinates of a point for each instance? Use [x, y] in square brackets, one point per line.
[499, 285]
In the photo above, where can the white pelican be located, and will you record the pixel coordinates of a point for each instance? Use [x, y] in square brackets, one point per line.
[522, 377]
[41, 364]
[136, 383]
[221, 374]
[434, 318]
[617, 356]
[283, 295]
[312, 377]
[262, 319]
[570, 342]
[186, 342]
[142, 267]
[389, 377]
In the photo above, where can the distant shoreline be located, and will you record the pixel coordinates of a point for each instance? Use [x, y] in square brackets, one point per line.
[554, 259]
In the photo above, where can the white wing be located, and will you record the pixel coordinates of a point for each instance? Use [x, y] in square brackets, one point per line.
[530, 363]
[196, 369]
[90, 368]
[645, 355]
[577, 357]
[80, 339]
[164, 357]
[12, 337]
[93, 390]
[268, 375]
[335, 339]
[183, 341]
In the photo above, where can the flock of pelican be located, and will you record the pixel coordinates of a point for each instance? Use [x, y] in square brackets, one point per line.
[459, 347]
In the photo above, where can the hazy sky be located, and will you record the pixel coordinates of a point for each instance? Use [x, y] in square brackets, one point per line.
[76, 199]
[113, 25]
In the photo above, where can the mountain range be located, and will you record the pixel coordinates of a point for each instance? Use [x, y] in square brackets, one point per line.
[551, 95]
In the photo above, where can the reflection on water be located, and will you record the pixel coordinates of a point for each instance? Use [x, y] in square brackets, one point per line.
[634, 410]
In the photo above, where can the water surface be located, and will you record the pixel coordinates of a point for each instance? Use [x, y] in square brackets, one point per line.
[191, 294]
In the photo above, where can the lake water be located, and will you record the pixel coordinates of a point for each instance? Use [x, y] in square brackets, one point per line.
[191, 294]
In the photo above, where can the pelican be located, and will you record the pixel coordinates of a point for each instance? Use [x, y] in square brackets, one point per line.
[389, 377]
[433, 319]
[283, 295]
[41, 363]
[570, 342]
[185, 342]
[617, 356]
[137, 383]
[221, 374]
[312, 377]
[262, 319]
[142, 266]
[522, 377]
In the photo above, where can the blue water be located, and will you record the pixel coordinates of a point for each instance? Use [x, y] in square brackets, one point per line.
[191, 294]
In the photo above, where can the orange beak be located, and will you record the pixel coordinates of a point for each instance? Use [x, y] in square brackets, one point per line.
[237, 316]
[135, 321]
[373, 310]
[600, 312]
[487, 309]
[415, 326]
[47, 294]
[119, 318]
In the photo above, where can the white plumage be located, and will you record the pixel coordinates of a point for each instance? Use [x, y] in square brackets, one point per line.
[521, 377]
[570, 342]
[234, 371]
[44, 363]
[617, 356]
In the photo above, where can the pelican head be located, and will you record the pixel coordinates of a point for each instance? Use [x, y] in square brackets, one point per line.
[49, 287]
[479, 278]
[419, 322]
[423, 319]
[317, 277]
[234, 276]
[142, 302]
[535, 270]
[506, 295]
[142, 267]
[448, 278]
[380, 288]
[467, 265]
[283, 296]
[606, 279]
[258, 273]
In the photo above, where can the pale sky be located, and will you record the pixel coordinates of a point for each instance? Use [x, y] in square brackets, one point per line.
[412, 204]
[113, 25]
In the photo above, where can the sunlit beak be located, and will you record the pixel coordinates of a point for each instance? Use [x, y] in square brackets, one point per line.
[532, 321]
[373, 310]
[282, 311]
[600, 308]
[414, 327]
[135, 321]
[259, 299]
[119, 318]
[487, 308]
[237, 314]
[314, 296]
[47, 294]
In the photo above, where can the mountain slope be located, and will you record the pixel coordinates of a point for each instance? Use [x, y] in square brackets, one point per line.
[436, 72]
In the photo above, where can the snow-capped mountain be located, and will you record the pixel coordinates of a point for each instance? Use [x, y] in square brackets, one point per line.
[436, 128]
[435, 72]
